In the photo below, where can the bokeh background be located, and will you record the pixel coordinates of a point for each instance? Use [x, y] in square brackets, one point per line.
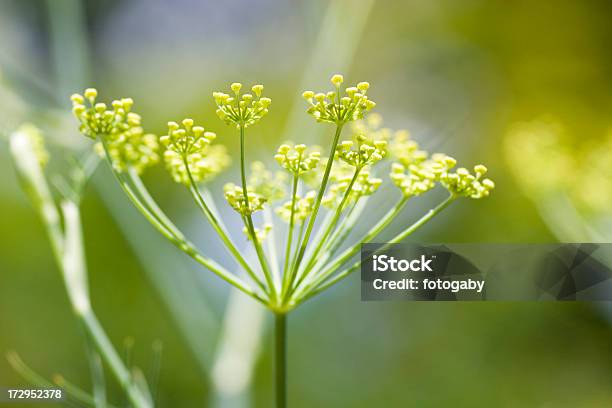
[521, 86]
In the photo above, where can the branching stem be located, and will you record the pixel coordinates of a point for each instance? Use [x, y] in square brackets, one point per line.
[249, 221]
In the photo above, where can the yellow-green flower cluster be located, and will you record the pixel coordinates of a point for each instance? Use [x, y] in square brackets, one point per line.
[365, 184]
[297, 159]
[462, 183]
[260, 233]
[235, 197]
[135, 149]
[303, 207]
[405, 150]
[266, 183]
[361, 152]
[421, 175]
[242, 110]
[128, 144]
[371, 128]
[332, 107]
[190, 145]
[99, 121]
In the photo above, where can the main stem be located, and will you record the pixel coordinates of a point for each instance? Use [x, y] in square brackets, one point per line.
[280, 373]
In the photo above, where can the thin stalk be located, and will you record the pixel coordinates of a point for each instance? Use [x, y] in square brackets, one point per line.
[349, 252]
[97, 374]
[322, 285]
[152, 204]
[184, 245]
[300, 236]
[38, 380]
[328, 230]
[74, 271]
[319, 234]
[345, 228]
[280, 373]
[249, 219]
[421, 221]
[271, 247]
[106, 349]
[315, 210]
[77, 393]
[339, 235]
[219, 230]
[290, 234]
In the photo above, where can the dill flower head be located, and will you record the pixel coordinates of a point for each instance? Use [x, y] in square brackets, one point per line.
[189, 145]
[405, 150]
[242, 110]
[297, 159]
[235, 198]
[462, 183]
[303, 207]
[333, 107]
[98, 120]
[127, 143]
[134, 149]
[420, 176]
[364, 185]
[362, 151]
[371, 128]
[268, 184]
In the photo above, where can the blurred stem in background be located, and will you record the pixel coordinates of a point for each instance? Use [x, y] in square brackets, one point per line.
[333, 51]
[68, 42]
[68, 249]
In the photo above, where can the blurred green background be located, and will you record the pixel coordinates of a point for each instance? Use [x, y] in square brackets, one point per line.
[458, 75]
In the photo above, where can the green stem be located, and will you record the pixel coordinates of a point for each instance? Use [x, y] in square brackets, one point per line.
[219, 229]
[97, 373]
[339, 236]
[349, 252]
[421, 221]
[321, 285]
[106, 349]
[315, 210]
[271, 247]
[300, 236]
[152, 204]
[290, 234]
[280, 373]
[328, 230]
[249, 220]
[184, 245]
[38, 380]
[74, 271]
[345, 228]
